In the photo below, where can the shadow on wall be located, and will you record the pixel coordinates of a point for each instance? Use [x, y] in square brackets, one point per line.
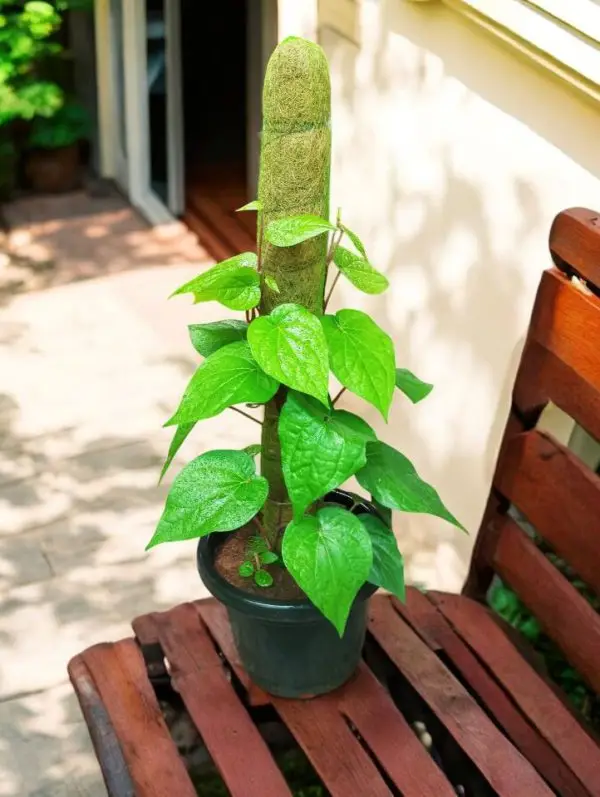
[446, 161]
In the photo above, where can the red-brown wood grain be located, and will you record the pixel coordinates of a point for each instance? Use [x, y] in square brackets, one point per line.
[565, 615]
[506, 770]
[388, 735]
[149, 752]
[575, 240]
[538, 702]
[421, 613]
[233, 741]
[566, 321]
[558, 495]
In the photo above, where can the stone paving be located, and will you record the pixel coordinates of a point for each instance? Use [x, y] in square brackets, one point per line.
[89, 371]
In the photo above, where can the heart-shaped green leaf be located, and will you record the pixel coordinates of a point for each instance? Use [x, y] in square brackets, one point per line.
[329, 555]
[393, 481]
[361, 356]
[217, 491]
[290, 346]
[271, 283]
[320, 448]
[229, 376]
[234, 283]
[388, 566]
[254, 205]
[292, 230]
[178, 440]
[208, 338]
[359, 271]
[411, 386]
[358, 244]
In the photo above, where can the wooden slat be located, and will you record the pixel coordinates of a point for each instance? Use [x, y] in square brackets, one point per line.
[543, 377]
[575, 240]
[334, 751]
[233, 741]
[567, 322]
[558, 495]
[390, 738]
[225, 225]
[421, 613]
[209, 239]
[529, 691]
[498, 761]
[566, 616]
[154, 764]
[108, 751]
[214, 616]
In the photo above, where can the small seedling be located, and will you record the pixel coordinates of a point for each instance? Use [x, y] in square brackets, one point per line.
[258, 554]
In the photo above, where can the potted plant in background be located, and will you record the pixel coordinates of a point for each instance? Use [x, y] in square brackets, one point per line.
[53, 162]
[294, 558]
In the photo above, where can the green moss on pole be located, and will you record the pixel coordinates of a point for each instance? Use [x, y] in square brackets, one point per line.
[295, 163]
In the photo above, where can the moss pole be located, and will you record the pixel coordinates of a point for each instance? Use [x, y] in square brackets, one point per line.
[294, 172]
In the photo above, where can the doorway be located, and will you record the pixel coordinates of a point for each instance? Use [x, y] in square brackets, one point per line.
[223, 53]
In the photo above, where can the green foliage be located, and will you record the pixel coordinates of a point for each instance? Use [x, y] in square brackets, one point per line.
[208, 338]
[69, 125]
[411, 386]
[387, 570]
[254, 205]
[281, 355]
[292, 230]
[217, 491]
[330, 556]
[359, 271]
[229, 376]
[361, 356]
[320, 448]
[290, 346]
[234, 283]
[392, 480]
[178, 440]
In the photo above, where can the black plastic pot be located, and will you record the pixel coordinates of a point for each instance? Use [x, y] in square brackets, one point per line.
[288, 647]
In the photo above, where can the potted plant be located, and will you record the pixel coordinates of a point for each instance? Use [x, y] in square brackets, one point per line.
[53, 163]
[293, 558]
[27, 41]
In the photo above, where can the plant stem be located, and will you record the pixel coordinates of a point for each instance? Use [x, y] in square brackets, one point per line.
[246, 415]
[333, 284]
[339, 395]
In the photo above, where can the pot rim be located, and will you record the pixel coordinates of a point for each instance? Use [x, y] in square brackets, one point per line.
[235, 598]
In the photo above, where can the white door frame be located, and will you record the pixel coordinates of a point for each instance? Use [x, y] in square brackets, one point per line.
[134, 175]
[136, 180]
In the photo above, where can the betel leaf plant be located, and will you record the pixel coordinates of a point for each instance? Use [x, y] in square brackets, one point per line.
[281, 353]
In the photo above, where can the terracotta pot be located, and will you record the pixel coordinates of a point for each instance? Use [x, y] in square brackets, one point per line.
[54, 171]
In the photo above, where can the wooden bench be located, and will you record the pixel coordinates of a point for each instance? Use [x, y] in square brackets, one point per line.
[492, 724]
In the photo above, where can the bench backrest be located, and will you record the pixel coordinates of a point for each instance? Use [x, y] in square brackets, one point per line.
[547, 483]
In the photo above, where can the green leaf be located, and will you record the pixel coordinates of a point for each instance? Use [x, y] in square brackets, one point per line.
[320, 448]
[271, 283]
[392, 479]
[268, 558]
[358, 244]
[217, 491]
[329, 555]
[411, 386]
[234, 283]
[292, 230]
[361, 356]
[290, 346]
[359, 271]
[253, 449]
[254, 205]
[208, 338]
[246, 569]
[229, 376]
[257, 544]
[178, 439]
[388, 566]
[263, 578]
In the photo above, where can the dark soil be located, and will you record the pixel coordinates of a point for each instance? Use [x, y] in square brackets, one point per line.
[232, 553]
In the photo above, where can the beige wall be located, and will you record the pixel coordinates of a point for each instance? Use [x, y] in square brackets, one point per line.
[452, 156]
